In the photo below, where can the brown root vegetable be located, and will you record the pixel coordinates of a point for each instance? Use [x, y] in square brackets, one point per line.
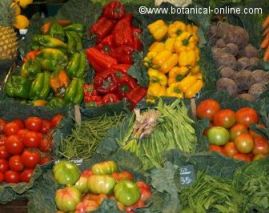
[244, 80]
[260, 76]
[243, 63]
[222, 29]
[250, 51]
[247, 97]
[257, 89]
[216, 52]
[232, 48]
[227, 72]
[226, 60]
[220, 43]
[226, 84]
[212, 32]
[253, 62]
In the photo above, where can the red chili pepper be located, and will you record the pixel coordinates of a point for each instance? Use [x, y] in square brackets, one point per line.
[136, 95]
[123, 54]
[102, 27]
[137, 45]
[106, 44]
[105, 82]
[31, 55]
[89, 90]
[93, 100]
[125, 83]
[99, 61]
[121, 67]
[114, 10]
[110, 98]
[123, 32]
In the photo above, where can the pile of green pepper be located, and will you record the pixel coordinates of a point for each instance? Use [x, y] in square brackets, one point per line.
[53, 71]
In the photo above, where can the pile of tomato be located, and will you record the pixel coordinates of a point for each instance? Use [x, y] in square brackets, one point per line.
[23, 145]
[230, 134]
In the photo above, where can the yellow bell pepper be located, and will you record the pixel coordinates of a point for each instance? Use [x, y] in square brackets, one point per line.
[169, 63]
[199, 75]
[156, 90]
[174, 91]
[187, 82]
[149, 57]
[169, 44]
[185, 41]
[176, 74]
[197, 52]
[188, 58]
[160, 58]
[192, 29]
[158, 29]
[194, 89]
[176, 28]
[196, 69]
[157, 47]
[156, 76]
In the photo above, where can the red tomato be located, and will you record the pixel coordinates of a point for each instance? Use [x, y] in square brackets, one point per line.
[45, 160]
[46, 125]
[261, 146]
[56, 120]
[207, 108]
[12, 128]
[244, 143]
[3, 152]
[242, 157]
[15, 163]
[2, 140]
[19, 123]
[21, 133]
[3, 165]
[124, 175]
[26, 175]
[237, 130]
[12, 177]
[247, 116]
[45, 144]
[32, 139]
[2, 125]
[14, 145]
[33, 123]
[215, 148]
[230, 149]
[1, 177]
[138, 204]
[254, 134]
[30, 158]
[145, 190]
[224, 118]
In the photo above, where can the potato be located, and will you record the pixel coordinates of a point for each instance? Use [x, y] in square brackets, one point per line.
[250, 51]
[231, 48]
[257, 89]
[243, 63]
[247, 97]
[260, 76]
[220, 43]
[253, 62]
[227, 72]
[226, 60]
[244, 80]
[236, 35]
[226, 84]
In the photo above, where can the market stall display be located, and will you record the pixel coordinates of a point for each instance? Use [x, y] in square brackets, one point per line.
[107, 109]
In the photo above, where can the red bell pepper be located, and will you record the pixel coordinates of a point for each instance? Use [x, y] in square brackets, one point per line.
[137, 45]
[93, 100]
[102, 27]
[110, 98]
[125, 83]
[123, 54]
[114, 10]
[89, 90]
[98, 60]
[123, 32]
[121, 68]
[106, 44]
[136, 95]
[105, 82]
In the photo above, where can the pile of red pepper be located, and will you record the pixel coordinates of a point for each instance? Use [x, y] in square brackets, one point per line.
[111, 57]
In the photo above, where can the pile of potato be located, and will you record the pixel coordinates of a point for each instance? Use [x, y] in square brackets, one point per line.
[238, 62]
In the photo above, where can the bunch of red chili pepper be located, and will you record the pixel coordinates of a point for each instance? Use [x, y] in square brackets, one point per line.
[111, 57]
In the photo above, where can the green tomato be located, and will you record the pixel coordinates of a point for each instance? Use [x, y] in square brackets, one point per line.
[66, 172]
[82, 184]
[101, 184]
[67, 199]
[104, 168]
[127, 192]
[218, 135]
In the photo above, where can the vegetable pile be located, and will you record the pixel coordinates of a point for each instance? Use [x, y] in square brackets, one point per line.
[237, 61]
[116, 41]
[172, 60]
[52, 72]
[230, 133]
[86, 191]
[24, 145]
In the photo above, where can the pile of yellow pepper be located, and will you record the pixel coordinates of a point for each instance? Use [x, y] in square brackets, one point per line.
[172, 61]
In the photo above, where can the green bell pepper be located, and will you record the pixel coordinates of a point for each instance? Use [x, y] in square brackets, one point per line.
[57, 31]
[71, 42]
[30, 68]
[75, 27]
[40, 86]
[56, 102]
[48, 41]
[77, 65]
[18, 86]
[74, 92]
